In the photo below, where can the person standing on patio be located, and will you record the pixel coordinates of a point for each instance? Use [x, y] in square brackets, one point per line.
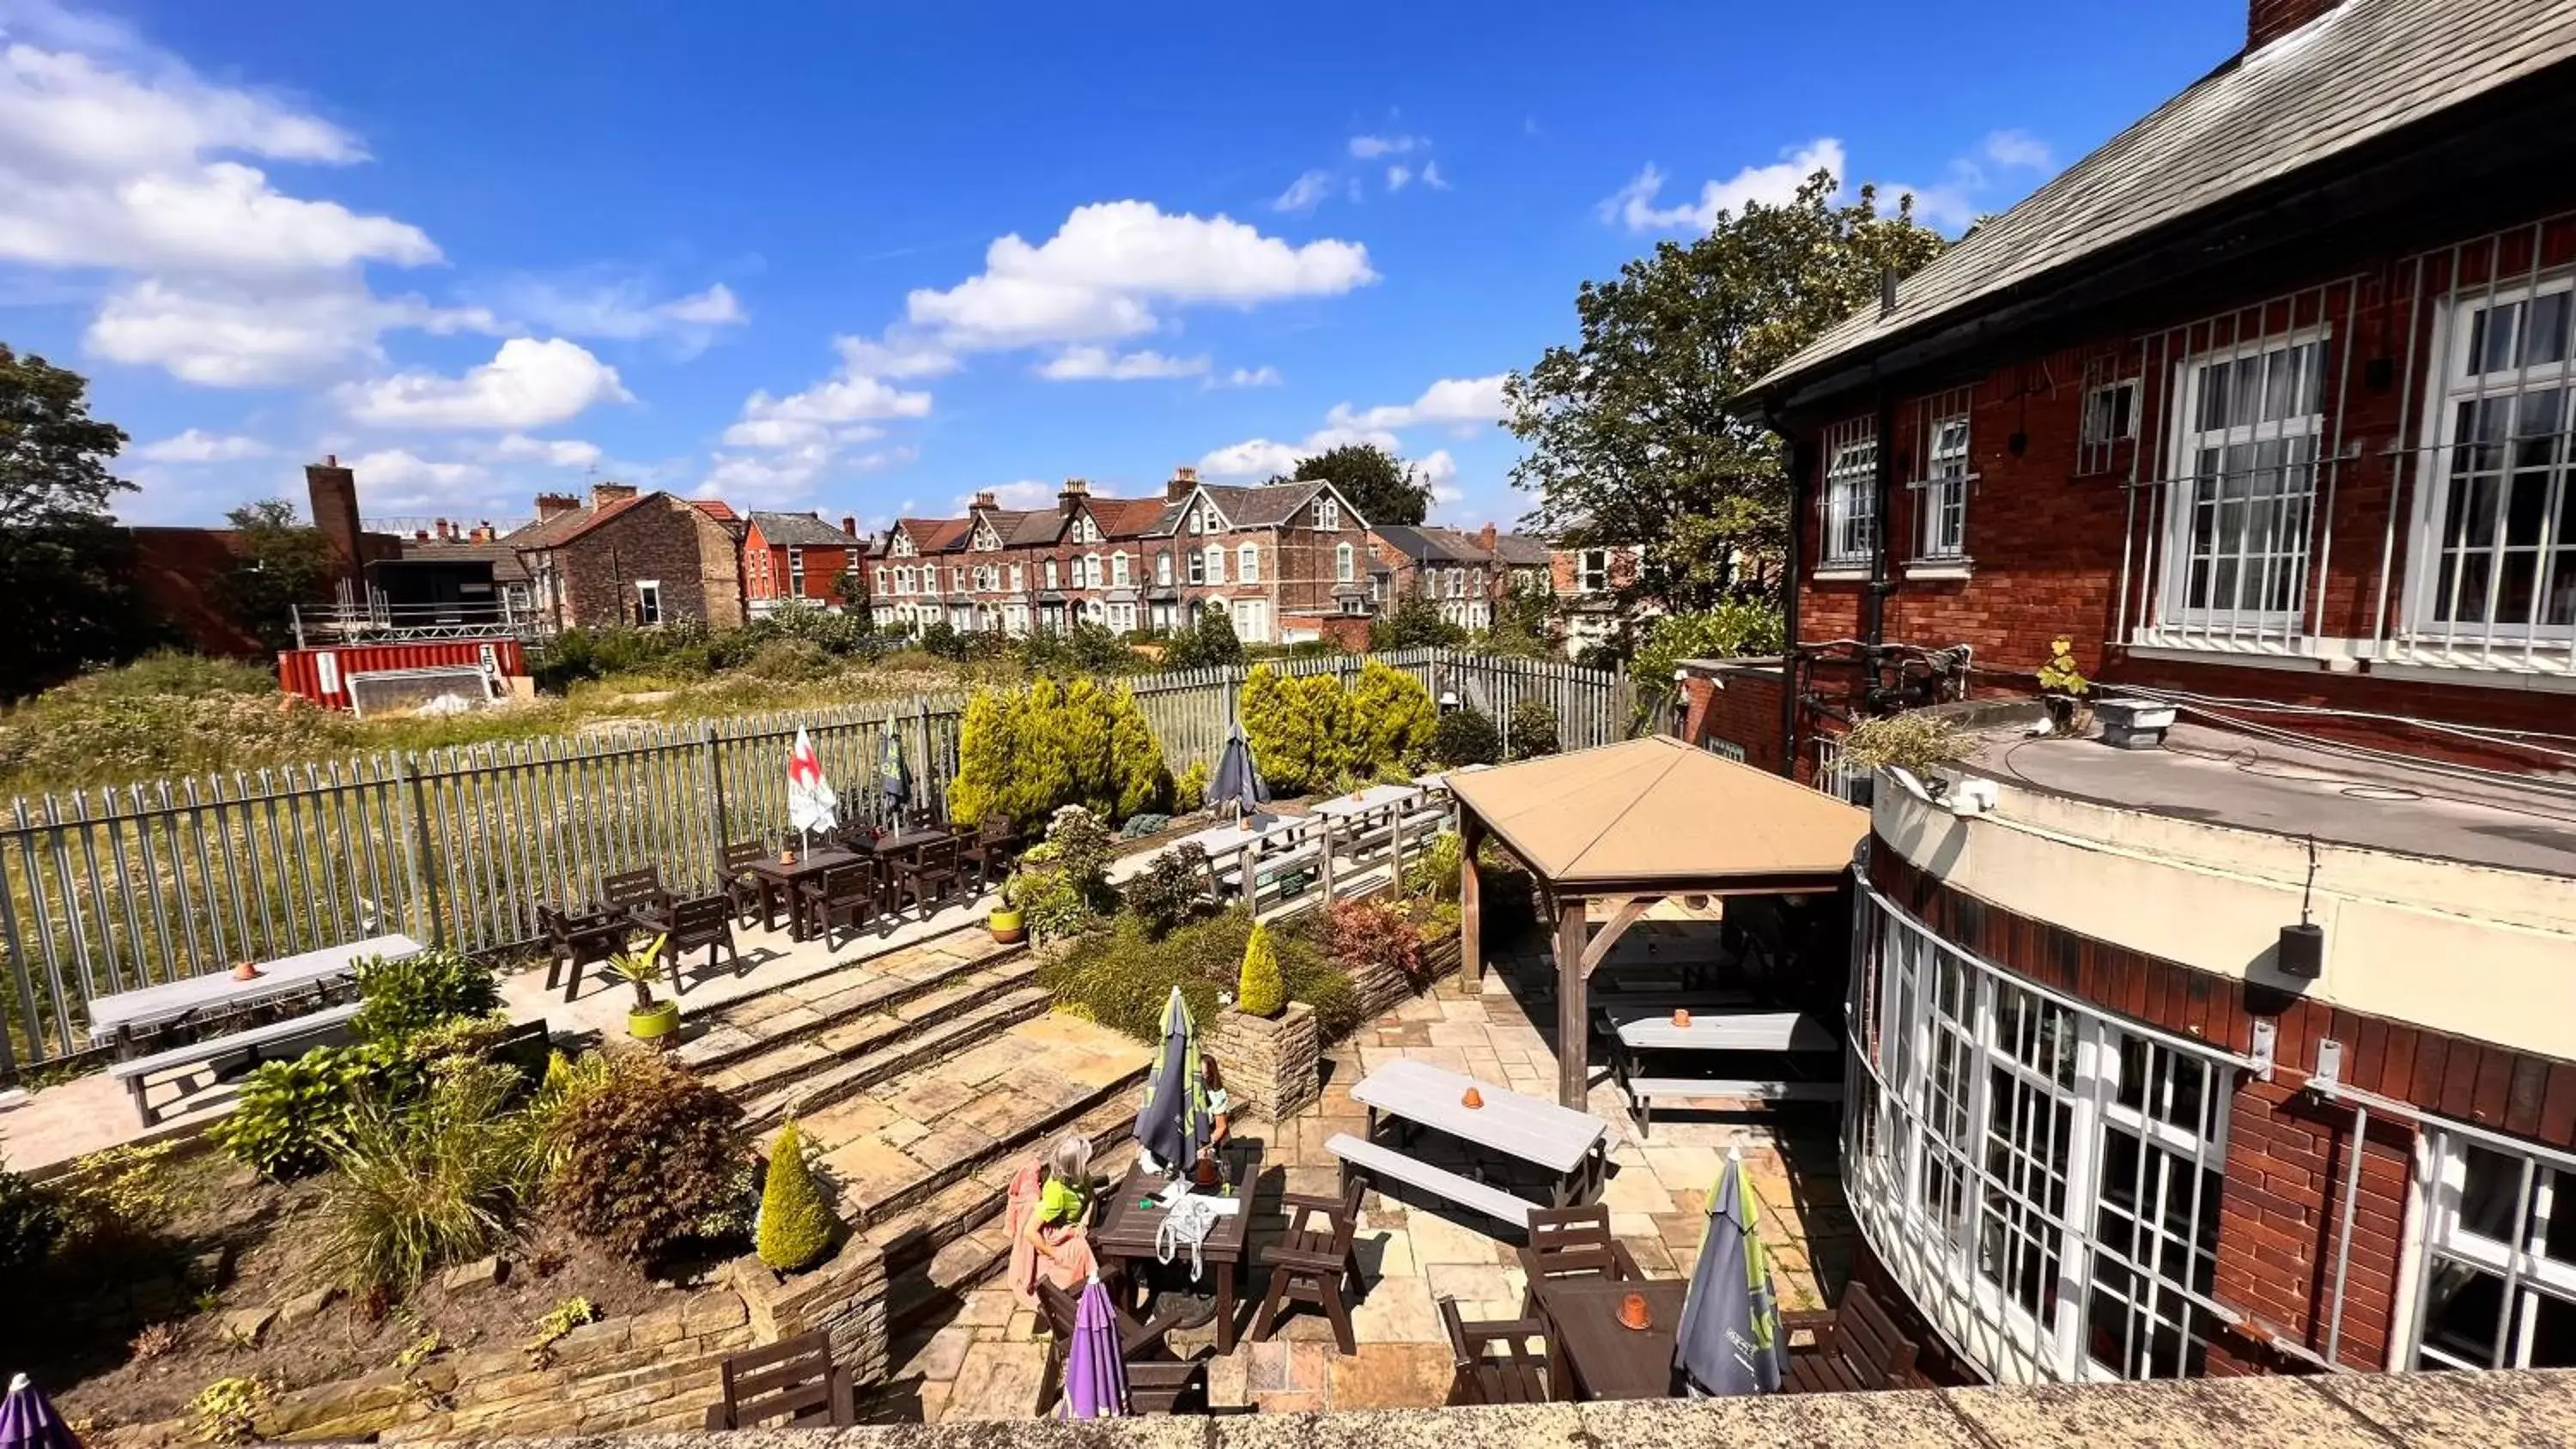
[1050, 1207]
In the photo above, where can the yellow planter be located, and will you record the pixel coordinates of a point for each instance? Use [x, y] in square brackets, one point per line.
[1007, 925]
[656, 1024]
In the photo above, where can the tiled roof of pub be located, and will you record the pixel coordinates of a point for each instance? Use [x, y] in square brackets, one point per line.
[2366, 69]
[800, 529]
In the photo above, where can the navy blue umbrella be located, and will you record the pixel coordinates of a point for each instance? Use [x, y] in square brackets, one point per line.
[1175, 1124]
[28, 1422]
[894, 778]
[1237, 780]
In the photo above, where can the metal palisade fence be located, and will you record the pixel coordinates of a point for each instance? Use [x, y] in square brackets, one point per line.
[109, 890]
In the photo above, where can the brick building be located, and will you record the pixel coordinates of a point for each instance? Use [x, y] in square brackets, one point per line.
[798, 557]
[1283, 560]
[1587, 582]
[623, 557]
[2255, 1052]
[1466, 574]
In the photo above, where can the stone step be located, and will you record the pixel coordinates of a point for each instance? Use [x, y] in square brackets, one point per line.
[978, 1197]
[860, 1028]
[975, 1148]
[872, 1050]
[800, 1011]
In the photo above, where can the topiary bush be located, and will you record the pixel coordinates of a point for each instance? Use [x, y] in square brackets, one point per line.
[797, 1224]
[651, 1155]
[1466, 737]
[1259, 991]
[1530, 731]
[399, 998]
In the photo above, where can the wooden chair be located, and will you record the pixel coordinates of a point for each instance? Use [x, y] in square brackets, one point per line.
[634, 890]
[575, 943]
[741, 888]
[1858, 1346]
[845, 893]
[1479, 1374]
[929, 874]
[1310, 1265]
[701, 921]
[1157, 1383]
[793, 1382]
[992, 848]
[1572, 1243]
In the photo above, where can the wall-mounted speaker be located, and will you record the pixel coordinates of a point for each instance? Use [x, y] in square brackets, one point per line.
[2302, 952]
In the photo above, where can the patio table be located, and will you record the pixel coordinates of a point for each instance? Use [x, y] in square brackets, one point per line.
[154, 1005]
[778, 883]
[1356, 812]
[1127, 1227]
[1231, 841]
[1606, 1358]
[1560, 1139]
[1650, 1028]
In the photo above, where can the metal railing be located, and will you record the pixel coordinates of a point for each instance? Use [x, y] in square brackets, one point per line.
[320, 624]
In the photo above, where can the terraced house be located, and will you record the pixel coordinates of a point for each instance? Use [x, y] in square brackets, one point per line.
[797, 557]
[1466, 574]
[2251, 1046]
[1282, 560]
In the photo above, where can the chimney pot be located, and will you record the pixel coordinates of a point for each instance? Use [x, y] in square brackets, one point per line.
[987, 498]
[1886, 291]
[1486, 537]
[1183, 481]
[603, 494]
[849, 525]
[550, 504]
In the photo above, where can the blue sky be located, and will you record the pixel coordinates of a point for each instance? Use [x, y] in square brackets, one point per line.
[871, 258]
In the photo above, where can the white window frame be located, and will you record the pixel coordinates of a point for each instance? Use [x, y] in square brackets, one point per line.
[882, 581]
[1019, 579]
[1215, 563]
[1118, 569]
[1592, 570]
[1051, 577]
[1084, 531]
[2182, 492]
[1247, 563]
[2101, 424]
[1345, 563]
[648, 602]
[1252, 620]
[1328, 514]
[1944, 496]
[1198, 567]
[1163, 569]
[1848, 498]
[2532, 1274]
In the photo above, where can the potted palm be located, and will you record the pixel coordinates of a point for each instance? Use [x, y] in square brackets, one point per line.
[652, 1021]
[2063, 690]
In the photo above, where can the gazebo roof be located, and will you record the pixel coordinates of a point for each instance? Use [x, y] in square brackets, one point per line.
[1655, 815]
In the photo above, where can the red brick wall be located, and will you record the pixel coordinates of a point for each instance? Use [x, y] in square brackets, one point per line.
[178, 571]
[1746, 712]
[2268, 20]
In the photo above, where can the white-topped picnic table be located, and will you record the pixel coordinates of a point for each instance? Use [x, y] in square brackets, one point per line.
[1559, 1139]
[1356, 814]
[1230, 842]
[220, 990]
[1641, 1027]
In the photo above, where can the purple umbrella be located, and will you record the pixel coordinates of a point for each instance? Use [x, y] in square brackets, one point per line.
[1095, 1377]
[28, 1422]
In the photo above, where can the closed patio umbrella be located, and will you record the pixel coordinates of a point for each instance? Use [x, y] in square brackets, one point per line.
[28, 1422]
[1237, 780]
[1731, 1340]
[894, 778]
[1095, 1377]
[1175, 1125]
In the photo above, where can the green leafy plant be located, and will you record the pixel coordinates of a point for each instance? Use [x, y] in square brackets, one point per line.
[1530, 730]
[1392, 718]
[640, 969]
[555, 1326]
[413, 1191]
[797, 1224]
[2061, 674]
[228, 1411]
[1190, 791]
[1915, 740]
[649, 1155]
[30, 1224]
[1259, 991]
[289, 1112]
[1435, 873]
[402, 997]
[1170, 890]
[1026, 752]
[1466, 737]
[1121, 976]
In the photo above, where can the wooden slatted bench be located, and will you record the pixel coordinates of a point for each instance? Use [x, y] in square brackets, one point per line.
[1373, 1161]
[1268, 870]
[792, 1383]
[251, 1046]
[1858, 1346]
[1644, 1091]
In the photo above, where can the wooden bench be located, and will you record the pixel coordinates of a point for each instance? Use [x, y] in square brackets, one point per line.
[1268, 870]
[1373, 1161]
[1643, 1092]
[1858, 1346]
[793, 1383]
[250, 1045]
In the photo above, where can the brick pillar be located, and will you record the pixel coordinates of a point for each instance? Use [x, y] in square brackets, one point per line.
[334, 494]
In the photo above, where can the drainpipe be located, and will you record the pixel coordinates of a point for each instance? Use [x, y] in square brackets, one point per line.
[1802, 465]
[1881, 581]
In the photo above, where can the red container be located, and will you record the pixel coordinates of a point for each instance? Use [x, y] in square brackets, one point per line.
[322, 675]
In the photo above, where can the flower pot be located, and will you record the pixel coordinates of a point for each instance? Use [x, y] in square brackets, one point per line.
[658, 1023]
[1007, 925]
[1471, 1099]
[245, 971]
[1681, 1017]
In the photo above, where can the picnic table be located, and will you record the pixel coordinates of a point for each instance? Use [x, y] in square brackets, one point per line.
[1128, 1226]
[122, 1012]
[1231, 842]
[1638, 1027]
[1356, 812]
[1565, 1142]
[1606, 1358]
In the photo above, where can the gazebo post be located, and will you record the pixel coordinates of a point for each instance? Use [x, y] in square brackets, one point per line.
[1573, 1075]
[1471, 912]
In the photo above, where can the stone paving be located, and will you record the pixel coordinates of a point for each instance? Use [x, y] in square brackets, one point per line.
[986, 1361]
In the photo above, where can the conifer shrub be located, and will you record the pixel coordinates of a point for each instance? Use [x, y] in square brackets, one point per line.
[797, 1224]
[1392, 717]
[1258, 990]
[1466, 737]
[1026, 752]
[1530, 730]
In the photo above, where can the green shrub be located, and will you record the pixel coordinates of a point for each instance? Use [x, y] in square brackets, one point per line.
[789, 661]
[1440, 922]
[1259, 991]
[1392, 718]
[650, 1156]
[1207, 642]
[1190, 791]
[1466, 737]
[400, 998]
[1152, 822]
[290, 1112]
[30, 1224]
[1435, 872]
[1169, 891]
[797, 1224]
[1121, 977]
[1531, 730]
[1363, 933]
[416, 1190]
[1024, 753]
[1414, 623]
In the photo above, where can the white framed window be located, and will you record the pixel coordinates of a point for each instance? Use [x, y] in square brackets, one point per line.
[881, 580]
[648, 601]
[1945, 486]
[2110, 418]
[1247, 563]
[1163, 569]
[1850, 495]
[1345, 563]
[1051, 574]
[2046, 1176]
[1118, 568]
[796, 571]
[1328, 513]
[1084, 530]
[1198, 567]
[1122, 617]
[1592, 570]
[1019, 579]
[2247, 427]
[1216, 563]
[1252, 620]
[2496, 1287]
[2495, 553]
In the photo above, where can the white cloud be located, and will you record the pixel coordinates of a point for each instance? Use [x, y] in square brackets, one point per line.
[194, 446]
[623, 309]
[1440, 470]
[787, 475]
[1254, 458]
[844, 397]
[1457, 402]
[398, 481]
[1453, 402]
[1103, 272]
[527, 384]
[1100, 364]
[1369, 148]
[1026, 495]
[557, 452]
[1773, 185]
[898, 355]
[1398, 176]
[226, 334]
[1262, 376]
[2017, 150]
[1432, 178]
[1305, 193]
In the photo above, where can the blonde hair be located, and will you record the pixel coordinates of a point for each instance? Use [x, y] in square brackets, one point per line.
[1069, 1160]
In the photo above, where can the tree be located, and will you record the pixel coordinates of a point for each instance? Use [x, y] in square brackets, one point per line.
[279, 564]
[1207, 643]
[1414, 623]
[1383, 487]
[64, 565]
[1633, 434]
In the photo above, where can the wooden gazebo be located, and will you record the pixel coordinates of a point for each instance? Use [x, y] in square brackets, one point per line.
[1633, 824]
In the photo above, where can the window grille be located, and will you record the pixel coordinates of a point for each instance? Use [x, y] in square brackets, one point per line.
[1850, 495]
[2497, 1285]
[1941, 426]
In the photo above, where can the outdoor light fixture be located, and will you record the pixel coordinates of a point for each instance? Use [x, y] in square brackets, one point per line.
[2302, 952]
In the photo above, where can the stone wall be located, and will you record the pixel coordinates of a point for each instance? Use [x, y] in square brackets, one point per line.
[845, 1297]
[1272, 1065]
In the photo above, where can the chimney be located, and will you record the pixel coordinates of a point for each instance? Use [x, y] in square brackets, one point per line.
[1184, 482]
[603, 494]
[1075, 491]
[550, 504]
[2268, 20]
[849, 525]
[986, 498]
[1485, 536]
[1886, 290]
[334, 494]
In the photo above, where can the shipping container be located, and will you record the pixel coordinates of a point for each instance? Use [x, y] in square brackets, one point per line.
[322, 675]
